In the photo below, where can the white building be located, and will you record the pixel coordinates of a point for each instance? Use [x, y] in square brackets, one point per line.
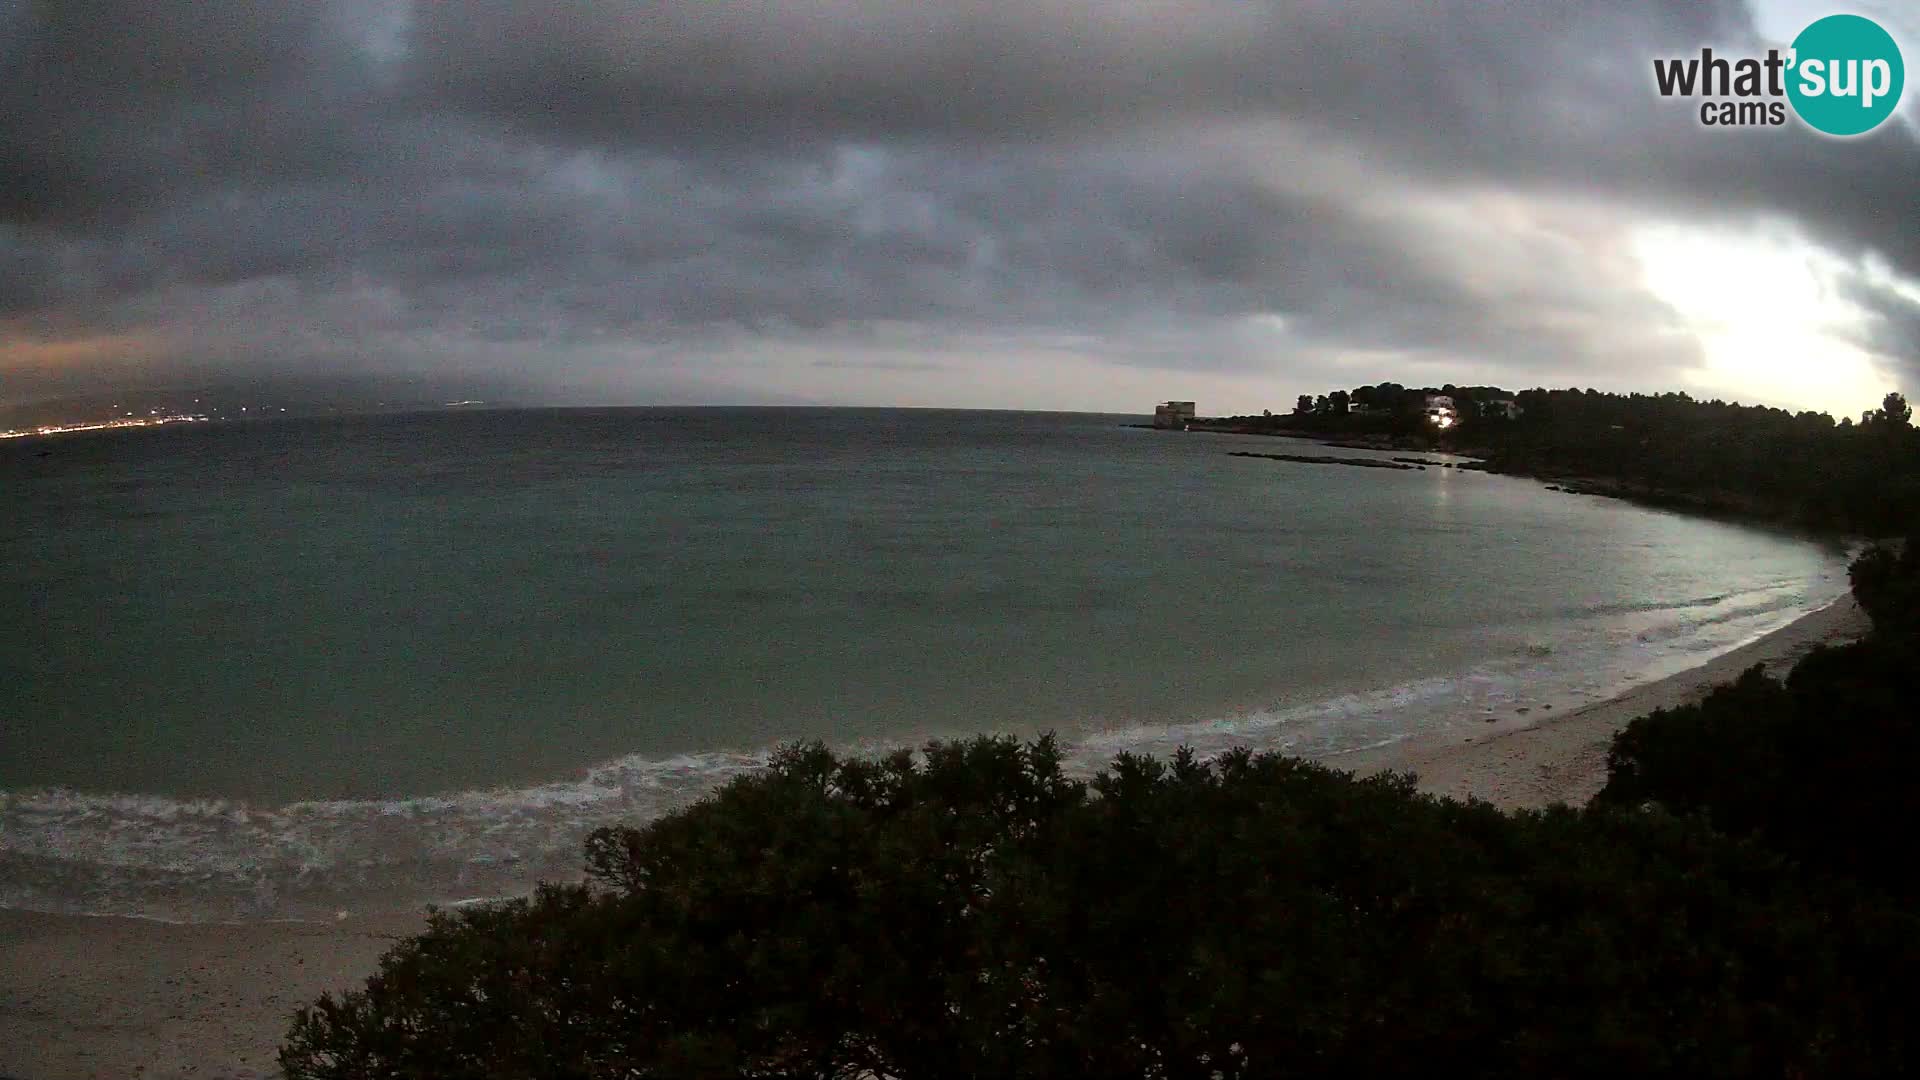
[1174, 414]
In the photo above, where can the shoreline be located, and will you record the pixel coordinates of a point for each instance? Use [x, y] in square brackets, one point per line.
[1547, 757]
[1711, 505]
[85, 996]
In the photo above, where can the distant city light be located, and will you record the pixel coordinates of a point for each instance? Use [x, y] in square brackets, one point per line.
[101, 425]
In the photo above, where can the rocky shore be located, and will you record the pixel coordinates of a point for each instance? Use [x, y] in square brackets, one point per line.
[1310, 459]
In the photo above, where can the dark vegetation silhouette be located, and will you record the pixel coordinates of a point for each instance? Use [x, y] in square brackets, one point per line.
[1802, 468]
[1737, 903]
[981, 914]
[1819, 766]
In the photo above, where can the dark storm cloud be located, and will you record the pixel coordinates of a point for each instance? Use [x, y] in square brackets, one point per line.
[288, 183]
[107, 103]
[1892, 326]
[726, 70]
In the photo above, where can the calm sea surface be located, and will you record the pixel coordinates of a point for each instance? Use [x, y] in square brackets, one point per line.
[276, 669]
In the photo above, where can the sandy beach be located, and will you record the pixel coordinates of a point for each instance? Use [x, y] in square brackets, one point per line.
[121, 998]
[125, 998]
[1550, 756]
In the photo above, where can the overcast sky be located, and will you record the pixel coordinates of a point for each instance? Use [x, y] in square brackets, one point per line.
[994, 203]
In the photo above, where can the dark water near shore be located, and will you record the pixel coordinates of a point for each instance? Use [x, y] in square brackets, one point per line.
[280, 667]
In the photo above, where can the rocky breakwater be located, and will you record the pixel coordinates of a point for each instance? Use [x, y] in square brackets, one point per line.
[1308, 459]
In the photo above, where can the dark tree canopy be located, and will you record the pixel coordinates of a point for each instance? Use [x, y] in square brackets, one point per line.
[979, 913]
[1886, 583]
[1895, 410]
[1819, 767]
[1745, 460]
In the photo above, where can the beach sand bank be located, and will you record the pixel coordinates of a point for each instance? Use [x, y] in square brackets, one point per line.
[132, 998]
[125, 998]
[1551, 756]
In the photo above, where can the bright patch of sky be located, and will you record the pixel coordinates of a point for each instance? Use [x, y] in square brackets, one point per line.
[1771, 313]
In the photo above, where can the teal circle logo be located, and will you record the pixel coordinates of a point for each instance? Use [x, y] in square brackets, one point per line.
[1846, 75]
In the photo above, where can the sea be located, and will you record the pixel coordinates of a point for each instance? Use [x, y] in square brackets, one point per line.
[288, 669]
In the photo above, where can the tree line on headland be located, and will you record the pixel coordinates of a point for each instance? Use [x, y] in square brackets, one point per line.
[1738, 901]
[1803, 469]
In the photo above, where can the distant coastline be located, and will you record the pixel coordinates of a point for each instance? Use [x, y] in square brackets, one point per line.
[48, 430]
[1806, 470]
[1719, 505]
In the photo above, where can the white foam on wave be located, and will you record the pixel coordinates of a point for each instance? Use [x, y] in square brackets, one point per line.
[1315, 729]
[213, 859]
[196, 859]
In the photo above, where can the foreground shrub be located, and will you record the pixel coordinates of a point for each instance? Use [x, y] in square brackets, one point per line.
[1886, 582]
[979, 913]
[1820, 767]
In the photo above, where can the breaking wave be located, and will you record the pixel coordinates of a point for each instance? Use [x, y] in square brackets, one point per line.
[209, 859]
